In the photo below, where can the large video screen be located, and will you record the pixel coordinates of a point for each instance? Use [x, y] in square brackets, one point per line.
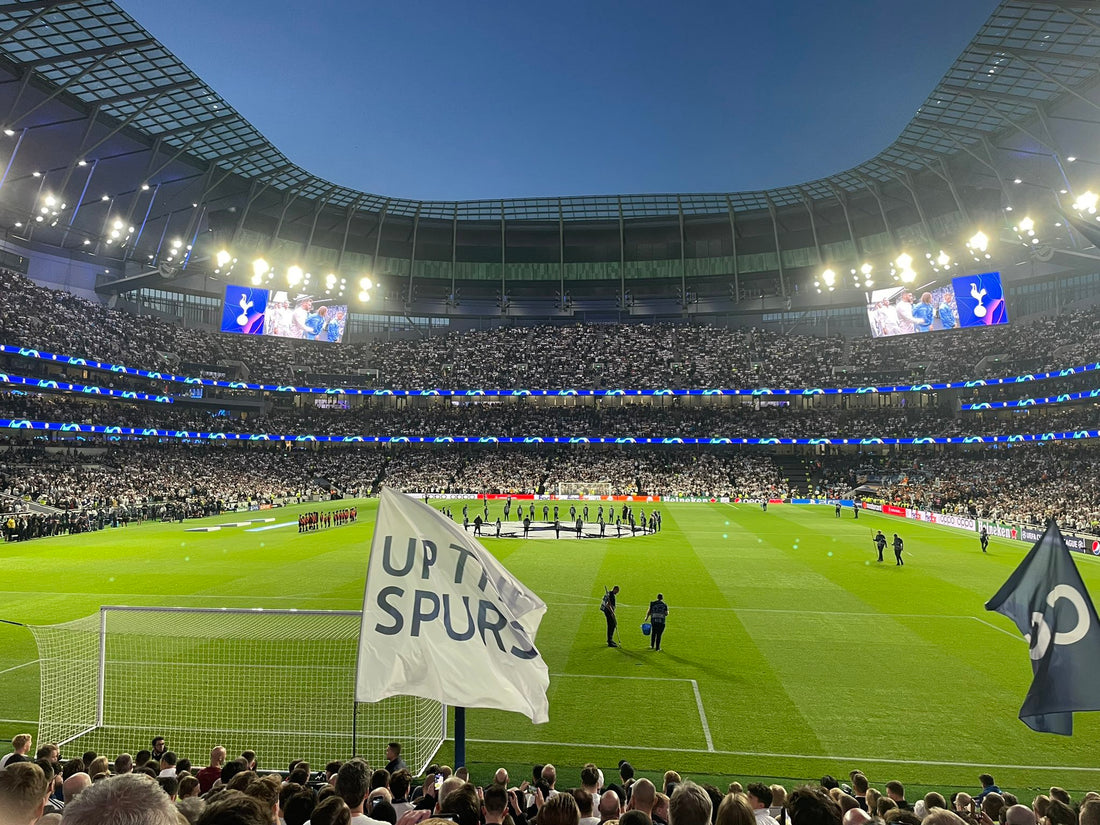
[254, 311]
[963, 301]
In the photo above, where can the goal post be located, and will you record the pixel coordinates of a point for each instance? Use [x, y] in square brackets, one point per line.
[278, 682]
[579, 489]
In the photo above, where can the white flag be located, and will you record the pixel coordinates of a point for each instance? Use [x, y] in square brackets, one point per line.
[443, 619]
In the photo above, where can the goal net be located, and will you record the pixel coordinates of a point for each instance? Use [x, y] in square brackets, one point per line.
[584, 488]
[279, 682]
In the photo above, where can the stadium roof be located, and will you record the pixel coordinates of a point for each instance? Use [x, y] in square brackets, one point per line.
[1027, 55]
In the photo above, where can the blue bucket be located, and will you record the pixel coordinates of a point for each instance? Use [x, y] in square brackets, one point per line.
[646, 627]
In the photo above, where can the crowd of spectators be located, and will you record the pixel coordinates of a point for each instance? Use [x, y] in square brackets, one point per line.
[164, 788]
[105, 484]
[639, 355]
[1030, 486]
[610, 419]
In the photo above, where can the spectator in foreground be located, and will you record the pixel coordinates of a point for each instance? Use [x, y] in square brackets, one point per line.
[735, 810]
[689, 805]
[813, 806]
[132, 799]
[23, 790]
[560, 809]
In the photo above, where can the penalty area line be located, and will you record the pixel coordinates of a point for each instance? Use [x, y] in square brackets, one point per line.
[998, 629]
[694, 688]
[768, 755]
[702, 716]
[17, 667]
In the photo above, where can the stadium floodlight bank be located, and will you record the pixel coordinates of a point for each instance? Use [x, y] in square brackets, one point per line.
[279, 682]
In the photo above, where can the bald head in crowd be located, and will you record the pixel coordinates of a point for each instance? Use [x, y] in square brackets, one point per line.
[610, 807]
[642, 796]
[74, 786]
[1023, 815]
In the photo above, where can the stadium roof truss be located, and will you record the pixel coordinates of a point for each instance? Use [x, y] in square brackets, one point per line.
[85, 74]
[1026, 55]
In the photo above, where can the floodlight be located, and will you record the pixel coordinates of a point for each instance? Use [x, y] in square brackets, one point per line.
[294, 275]
[49, 200]
[908, 276]
[260, 267]
[258, 278]
[979, 241]
[364, 296]
[866, 269]
[105, 198]
[177, 243]
[9, 132]
[222, 258]
[364, 283]
[943, 259]
[145, 187]
[1027, 224]
[118, 224]
[1071, 158]
[330, 280]
[904, 261]
[829, 277]
[1086, 202]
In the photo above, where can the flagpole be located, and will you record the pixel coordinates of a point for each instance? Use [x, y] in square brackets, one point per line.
[460, 737]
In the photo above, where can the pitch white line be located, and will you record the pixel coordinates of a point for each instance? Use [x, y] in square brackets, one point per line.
[20, 721]
[694, 688]
[866, 613]
[605, 676]
[702, 715]
[998, 629]
[767, 755]
[17, 667]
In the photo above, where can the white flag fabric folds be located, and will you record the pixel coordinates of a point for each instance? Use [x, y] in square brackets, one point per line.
[443, 619]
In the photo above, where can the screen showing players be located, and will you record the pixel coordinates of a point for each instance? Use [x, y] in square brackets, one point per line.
[964, 301]
[254, 311]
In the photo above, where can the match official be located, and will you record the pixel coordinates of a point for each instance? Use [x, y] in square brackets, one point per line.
[656, 616]
[983, 537]
[899, 545]
[607, 606]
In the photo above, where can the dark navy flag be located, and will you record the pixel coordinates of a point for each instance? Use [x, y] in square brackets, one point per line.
[1047, 600]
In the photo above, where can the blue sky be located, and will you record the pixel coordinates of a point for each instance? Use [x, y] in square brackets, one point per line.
[466, 100]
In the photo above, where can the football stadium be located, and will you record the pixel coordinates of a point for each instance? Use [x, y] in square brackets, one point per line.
[568, 509]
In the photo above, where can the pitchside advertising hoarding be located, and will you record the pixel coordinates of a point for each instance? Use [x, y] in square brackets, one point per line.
[253, 311]
[937, 305]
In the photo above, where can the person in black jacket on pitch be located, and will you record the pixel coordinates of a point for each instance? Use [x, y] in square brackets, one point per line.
[656, 616]
[607, 607]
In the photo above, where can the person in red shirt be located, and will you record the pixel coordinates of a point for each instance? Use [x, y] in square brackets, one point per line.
[211, 774]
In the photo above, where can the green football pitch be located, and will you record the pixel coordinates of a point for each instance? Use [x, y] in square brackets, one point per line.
[790, 652]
